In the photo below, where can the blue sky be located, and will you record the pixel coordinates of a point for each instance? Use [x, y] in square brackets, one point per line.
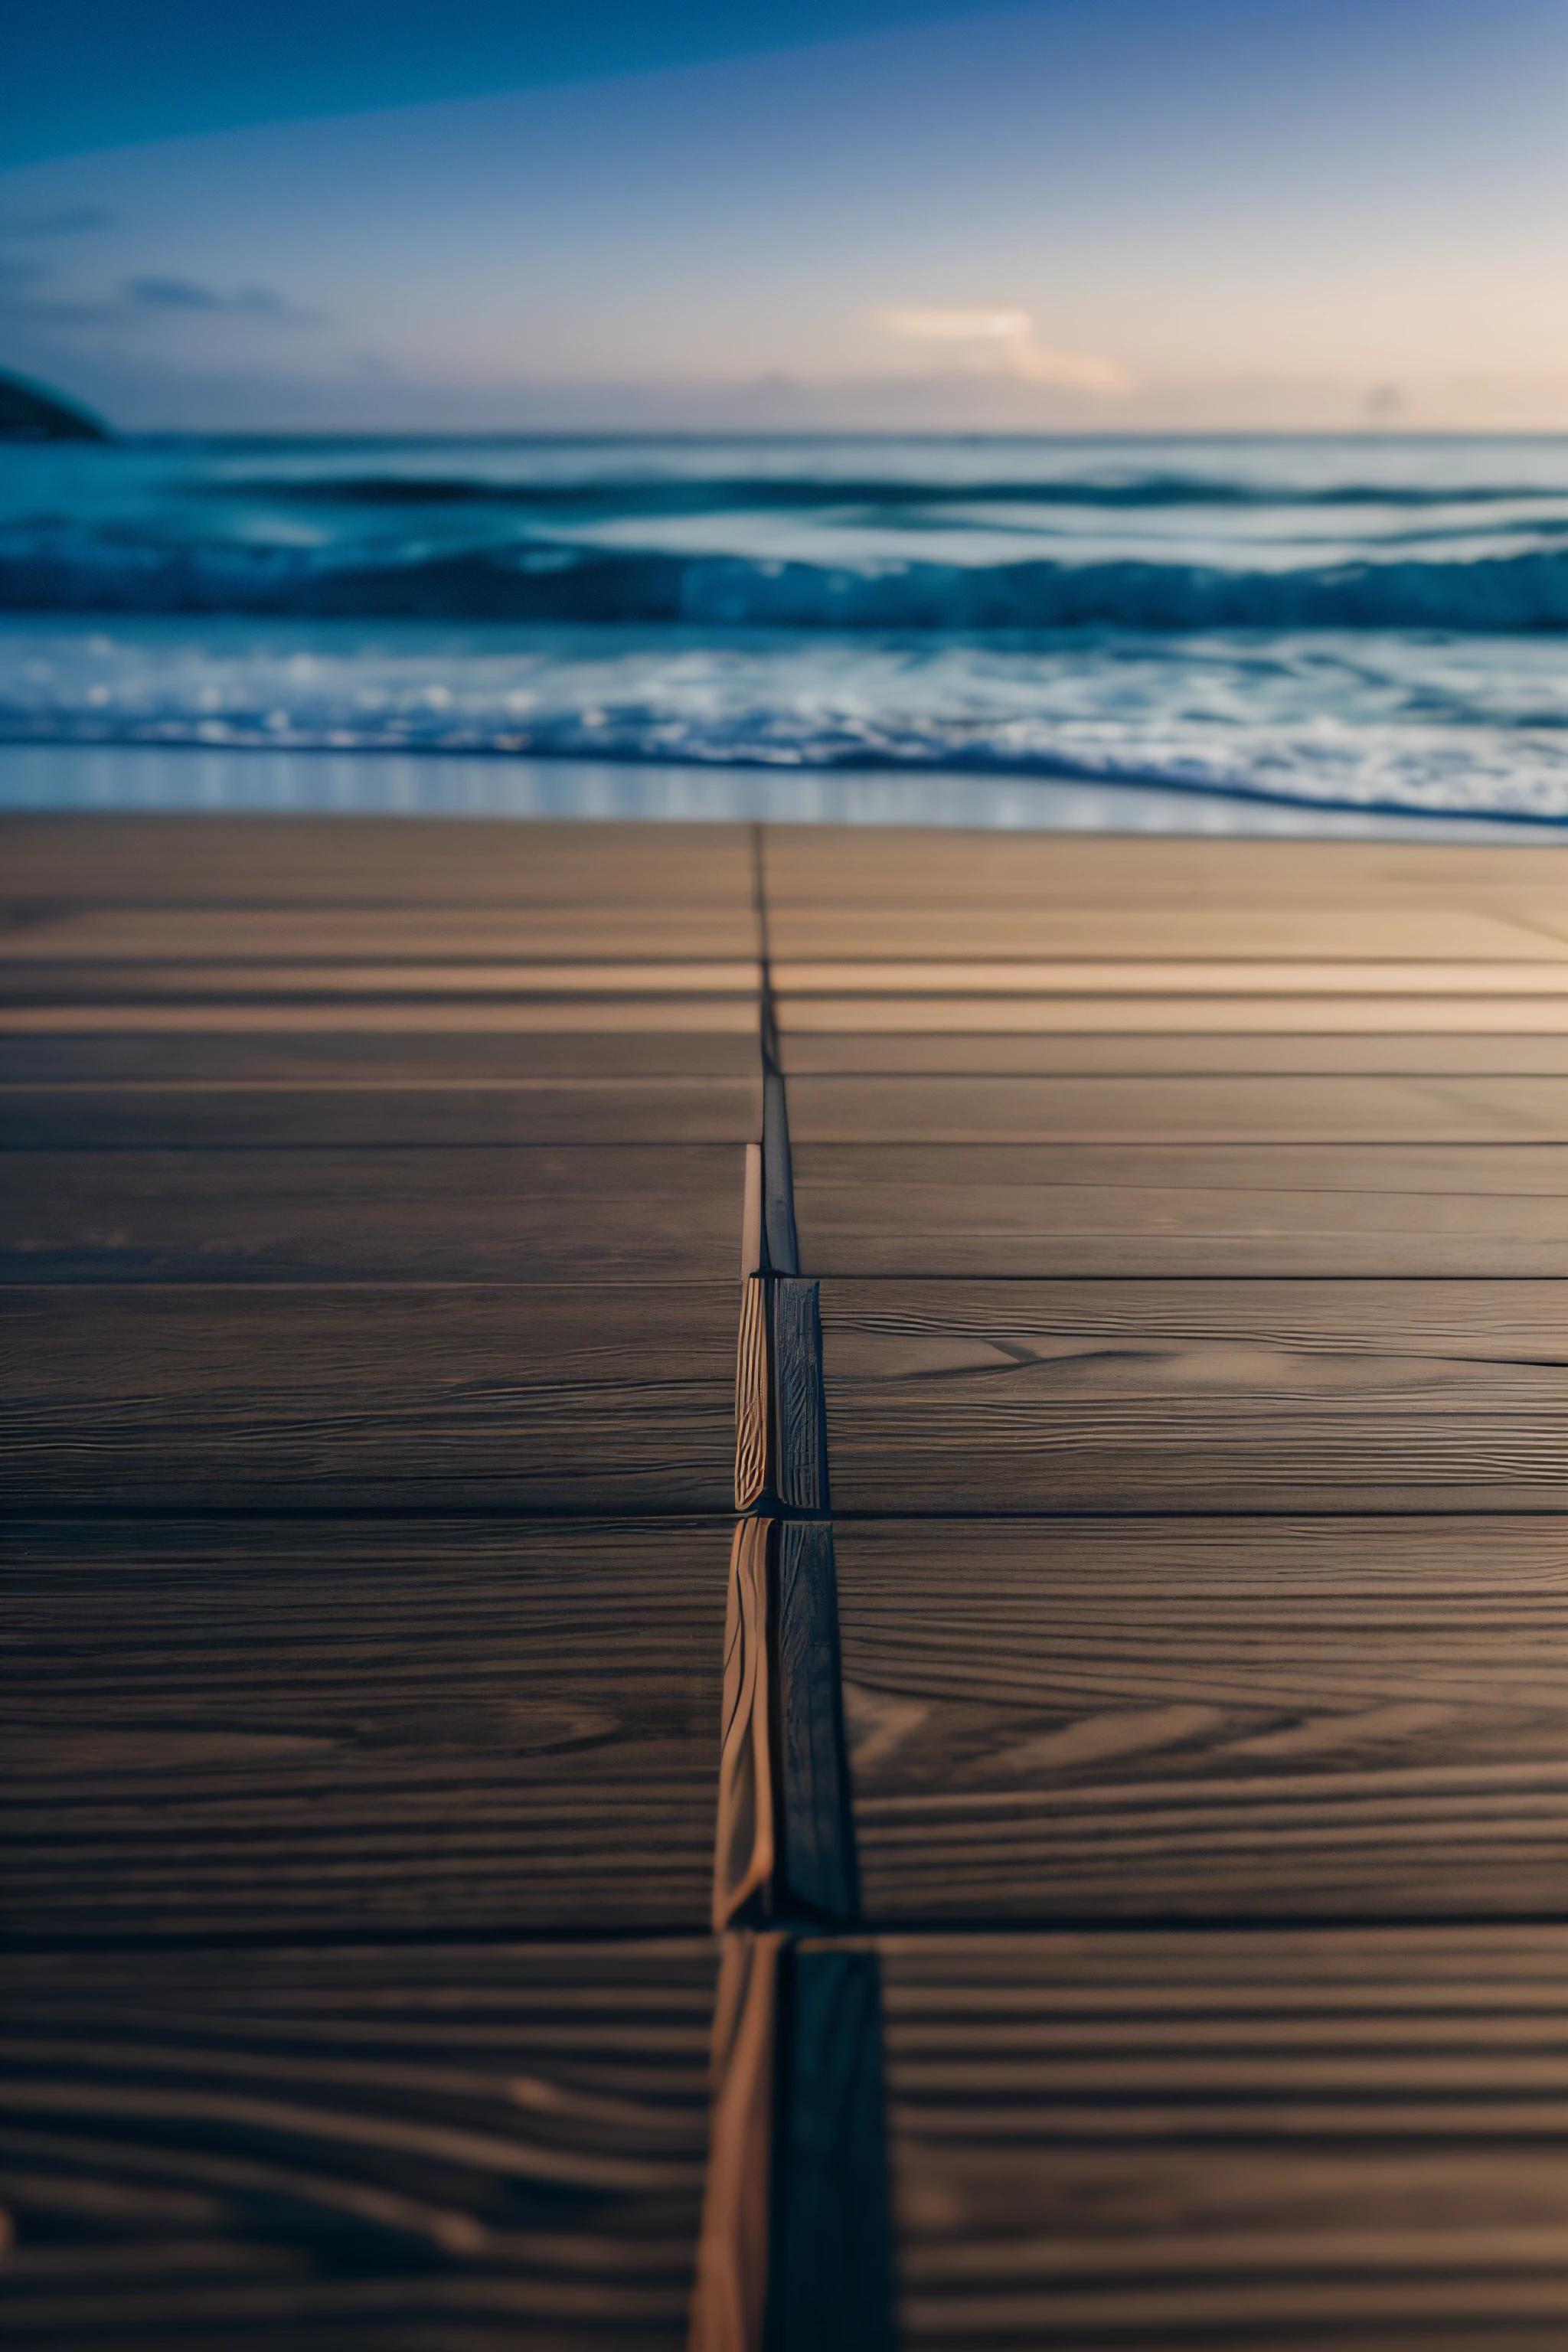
[1107, 215]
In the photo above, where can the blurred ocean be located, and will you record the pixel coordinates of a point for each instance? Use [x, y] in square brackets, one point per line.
[1356, 624]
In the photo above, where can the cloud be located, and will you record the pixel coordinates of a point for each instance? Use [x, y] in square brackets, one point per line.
[954, 326]
[188, 294]
[34, 297]
[71, 220]
[1002, 343]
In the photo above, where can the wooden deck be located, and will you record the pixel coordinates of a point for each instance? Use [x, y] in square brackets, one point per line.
[1082, 1861]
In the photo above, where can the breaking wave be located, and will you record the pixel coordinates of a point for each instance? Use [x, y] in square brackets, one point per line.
[1366, 623]
[576, 585]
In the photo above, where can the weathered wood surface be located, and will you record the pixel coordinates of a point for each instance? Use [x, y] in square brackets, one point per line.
[363, 1170]
[991, 983]
[1268, 1062]
[464, 2145]
[364, 1115]
[1170, 1014]
[371, 1181]
[594, 1214]
[1211, 1108]
[1197, 1396]
[1182, 1209]
[1403, 1054]
[800, 1470]
[1318, 2139]
[274, 922]
[255, 1730]
[585, 879]
[833, 891]
[157, 989]
[581, 1397]
[831, 2284]
[815, 1865]
[467, 1057]
[1207, 1718]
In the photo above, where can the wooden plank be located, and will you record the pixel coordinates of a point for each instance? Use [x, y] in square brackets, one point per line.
[390, 1057]
[831, 2272]
[294, 1731]
[60, 866]
[992, 981]
[1176, 1015]
[467, 928]
[800, 1463]
[1208, 886]
[844, 1108]
[1206, 1718]
[590, 1213]
[1112, 917]
[815, 1863]
[1182, 1210]
[1348, 2140]
[781, 1244]
[829, 864]
[415, 2149]
[754, 1441]
[729, 2290]
[365, 1115]
[324, 977]
[784, 1841]
[1147, 1396]
[1191, 1054]
[393, 1016]
[543, 1398]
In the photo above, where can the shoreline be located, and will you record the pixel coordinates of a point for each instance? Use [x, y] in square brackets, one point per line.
[185, 778]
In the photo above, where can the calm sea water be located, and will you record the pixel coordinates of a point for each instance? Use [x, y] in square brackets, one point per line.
[1379, 623]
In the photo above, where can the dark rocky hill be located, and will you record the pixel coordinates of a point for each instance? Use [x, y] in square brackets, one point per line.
[27, 413]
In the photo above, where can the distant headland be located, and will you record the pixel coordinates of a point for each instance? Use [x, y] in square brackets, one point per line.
[28, 413]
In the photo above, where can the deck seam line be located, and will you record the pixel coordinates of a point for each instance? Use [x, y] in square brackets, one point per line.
[795, 2253]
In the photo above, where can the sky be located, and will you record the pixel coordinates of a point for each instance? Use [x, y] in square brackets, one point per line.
[1092, 215]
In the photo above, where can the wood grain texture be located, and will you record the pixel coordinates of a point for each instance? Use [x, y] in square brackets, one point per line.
[364, 1115]
[1351, 2140]
[816, 1869]
[730, 2292]
[591, 1213]
[779, 1235]
[1204, 1396]
[1209, 1717]
[752, 1250]
[1426, 1109]
[472, 2147]
[800, 1463]
[537, 1398]
[744, 1841]
[256, 1089]
[830, 2282]
[246, 1730]
[753, 1395]
[1183, 1210]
